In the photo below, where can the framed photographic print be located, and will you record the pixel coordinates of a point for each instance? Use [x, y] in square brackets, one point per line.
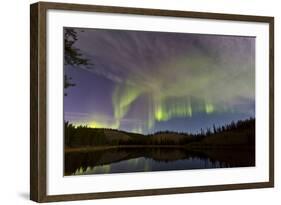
[134, 102]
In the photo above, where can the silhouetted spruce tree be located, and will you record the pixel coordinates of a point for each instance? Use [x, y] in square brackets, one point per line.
[72, 55]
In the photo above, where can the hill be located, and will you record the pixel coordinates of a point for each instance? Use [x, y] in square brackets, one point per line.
[241, 133]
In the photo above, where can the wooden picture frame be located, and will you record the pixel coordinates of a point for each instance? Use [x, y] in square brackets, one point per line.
[39, 103]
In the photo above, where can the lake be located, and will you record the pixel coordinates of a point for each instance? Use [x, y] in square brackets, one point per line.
[125, 160]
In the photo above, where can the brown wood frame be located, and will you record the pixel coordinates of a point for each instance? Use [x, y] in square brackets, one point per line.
[38, 101]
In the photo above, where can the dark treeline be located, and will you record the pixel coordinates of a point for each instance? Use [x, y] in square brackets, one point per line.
[241, 132]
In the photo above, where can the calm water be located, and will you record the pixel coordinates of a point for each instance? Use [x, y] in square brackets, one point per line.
[143, 164]
[151, 159]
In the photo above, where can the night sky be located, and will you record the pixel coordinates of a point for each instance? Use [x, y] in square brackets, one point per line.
[153, 81]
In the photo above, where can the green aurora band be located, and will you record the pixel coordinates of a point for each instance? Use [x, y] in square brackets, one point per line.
[210, 78]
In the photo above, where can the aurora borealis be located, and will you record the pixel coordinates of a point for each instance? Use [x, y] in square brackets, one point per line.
[146, 82]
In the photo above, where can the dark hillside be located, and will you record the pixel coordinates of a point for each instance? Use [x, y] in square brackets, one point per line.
[241, 133]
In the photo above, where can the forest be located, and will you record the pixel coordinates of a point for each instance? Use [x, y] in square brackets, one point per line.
[240, 133]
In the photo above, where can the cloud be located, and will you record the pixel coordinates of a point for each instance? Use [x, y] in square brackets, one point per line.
[180, 74]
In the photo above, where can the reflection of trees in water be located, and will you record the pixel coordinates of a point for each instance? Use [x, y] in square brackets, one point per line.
[82, 161]
[231, 145]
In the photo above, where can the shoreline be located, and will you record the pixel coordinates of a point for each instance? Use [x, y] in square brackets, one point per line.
[97, 148]
[187, 147]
